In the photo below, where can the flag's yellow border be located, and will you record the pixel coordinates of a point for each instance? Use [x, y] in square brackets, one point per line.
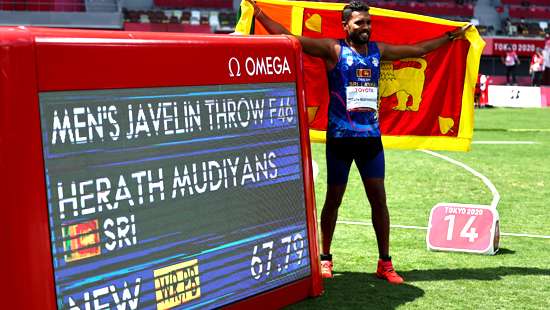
[463, 140]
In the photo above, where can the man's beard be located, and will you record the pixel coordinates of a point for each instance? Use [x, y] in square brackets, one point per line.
[357, 38]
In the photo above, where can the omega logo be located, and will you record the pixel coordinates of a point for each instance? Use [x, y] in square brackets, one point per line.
[234, 67]
[256, 66]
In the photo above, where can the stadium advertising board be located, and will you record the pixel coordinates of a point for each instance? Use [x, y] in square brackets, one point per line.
[522, 46]
[514, 96]
[178, 196]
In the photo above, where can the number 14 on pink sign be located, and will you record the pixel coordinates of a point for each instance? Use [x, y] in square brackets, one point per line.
[463, 228]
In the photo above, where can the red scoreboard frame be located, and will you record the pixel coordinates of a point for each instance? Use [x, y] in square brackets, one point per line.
[36, 60]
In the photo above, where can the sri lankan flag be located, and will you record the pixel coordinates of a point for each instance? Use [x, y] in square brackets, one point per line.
[81, 240]
[425, 103]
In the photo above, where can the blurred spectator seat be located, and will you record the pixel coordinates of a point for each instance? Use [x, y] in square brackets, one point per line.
[204, 19]
[174, 20]
[533, 29]
[181, 4]
[157, 17]
[185, 17]
[173, 16]
[167, 27]
[531, 2]
[144, 18]
[485, 30]
[441, 8]
[227, 20]
[210, 19]
[195, 17]
[43, 5]
[532, 12]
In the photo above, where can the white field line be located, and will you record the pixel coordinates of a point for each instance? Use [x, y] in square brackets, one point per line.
[370, 224]
[505, 142]
[426, 228]
[488, 183]
[528, 130]
[525, 235]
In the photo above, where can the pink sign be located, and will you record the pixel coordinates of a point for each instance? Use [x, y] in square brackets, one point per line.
[464, 228]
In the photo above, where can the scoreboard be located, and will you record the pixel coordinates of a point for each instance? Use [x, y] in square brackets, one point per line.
[156, 171]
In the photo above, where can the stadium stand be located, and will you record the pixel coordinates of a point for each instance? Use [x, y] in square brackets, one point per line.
[98, 14]
[526, 2]
[461, 10]
[183, 4]
[43, 5]
[534, 12]
[524, 17]
[216, 16]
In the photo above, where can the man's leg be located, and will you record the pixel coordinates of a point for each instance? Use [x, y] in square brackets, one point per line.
[372, 169]
[376, 193]
[329, 215]
[371, 164]
[338, 166]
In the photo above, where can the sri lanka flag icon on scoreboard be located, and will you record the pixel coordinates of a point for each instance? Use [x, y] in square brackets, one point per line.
[81, 240]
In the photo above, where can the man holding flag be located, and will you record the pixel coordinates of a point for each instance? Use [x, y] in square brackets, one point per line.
[353, 133]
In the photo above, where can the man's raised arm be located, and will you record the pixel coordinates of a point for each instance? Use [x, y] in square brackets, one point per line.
[322, 48]
[394, 52]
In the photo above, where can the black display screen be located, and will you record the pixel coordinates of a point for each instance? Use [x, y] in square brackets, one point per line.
[160, 198]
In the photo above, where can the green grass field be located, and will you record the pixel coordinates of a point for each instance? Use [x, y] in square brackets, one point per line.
[516, 278]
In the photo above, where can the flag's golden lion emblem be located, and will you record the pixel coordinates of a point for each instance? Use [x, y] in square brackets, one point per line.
[403, 78]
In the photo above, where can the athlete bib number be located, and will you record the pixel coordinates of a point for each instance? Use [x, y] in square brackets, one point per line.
[361, 98]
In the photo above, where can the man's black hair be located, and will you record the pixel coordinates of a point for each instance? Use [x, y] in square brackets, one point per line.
[353, 6]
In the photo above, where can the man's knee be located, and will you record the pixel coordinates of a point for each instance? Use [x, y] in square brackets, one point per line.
[376, 192]
[335, 194]
[332, 203]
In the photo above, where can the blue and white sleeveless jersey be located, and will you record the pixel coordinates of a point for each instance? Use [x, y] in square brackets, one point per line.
[353, 70]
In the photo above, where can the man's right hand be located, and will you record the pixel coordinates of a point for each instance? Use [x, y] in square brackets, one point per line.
[326, 49]
[459, 33]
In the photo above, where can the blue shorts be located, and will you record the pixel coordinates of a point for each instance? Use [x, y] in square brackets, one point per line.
[368, 154]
